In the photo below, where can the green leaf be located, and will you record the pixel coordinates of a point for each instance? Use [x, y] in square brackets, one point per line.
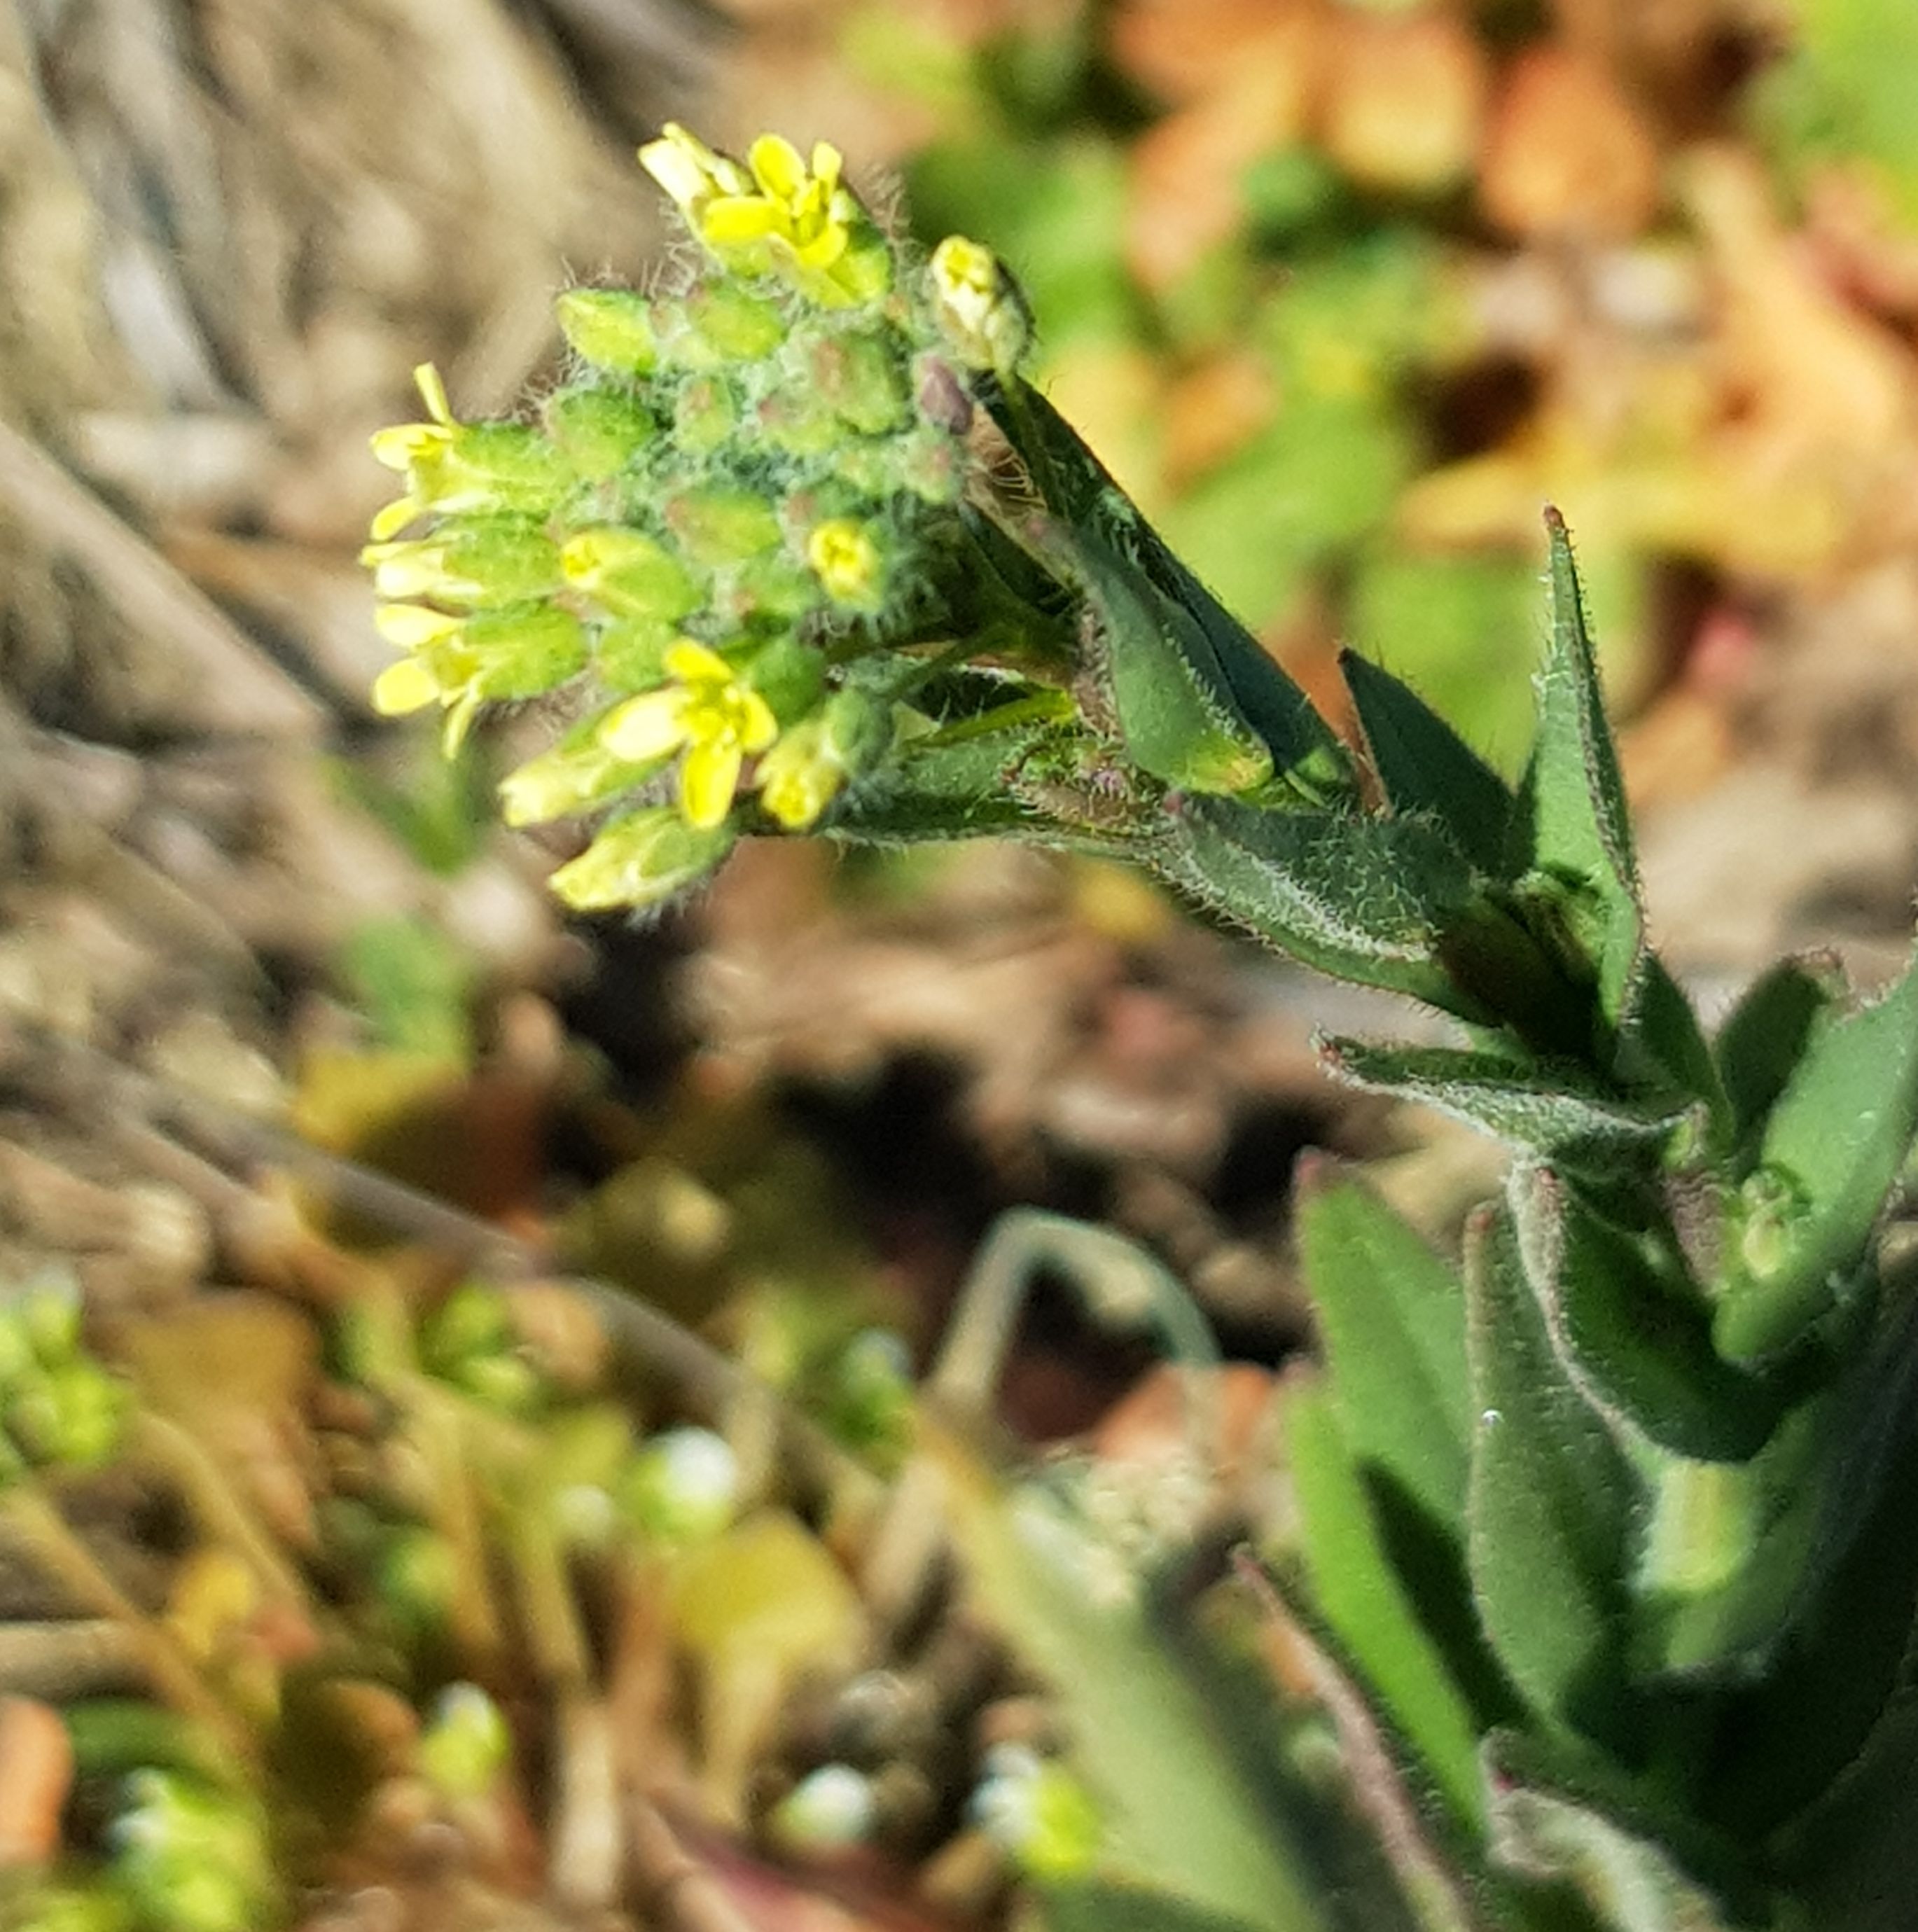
[1365, 899]
[1832, 1145]
[1176, 713]
[1563, 1813]
[1427, 768]
[1558, 1113]
[950, 784]
[1835, 1680]
[1102, 1906]
[1576, 827]
[1093, 521]
[1391, 1317]
[1634, 1331]
[1767, 1034]
[1182, 1816]
[1363, 1599]
[1549, 1504]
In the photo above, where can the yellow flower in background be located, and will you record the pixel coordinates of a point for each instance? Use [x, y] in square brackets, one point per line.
[718, 719]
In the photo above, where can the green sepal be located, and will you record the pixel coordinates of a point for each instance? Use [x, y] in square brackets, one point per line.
[1549, 1505]
[1763, 1038]
[1573, 822]
[1633, 1329]
[1363, 1598]
[1560, 1812]
[1427, 768]
[598, 430]
[1391, 1320]
[1832, 1145]
[1365, 899]
[611, 328]
[1558, 1113]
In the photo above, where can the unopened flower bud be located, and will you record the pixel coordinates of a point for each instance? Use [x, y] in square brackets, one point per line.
[600, 430]
[630, 575]
[982, 311]
[611, 328]
[641, 860]
[719, 526]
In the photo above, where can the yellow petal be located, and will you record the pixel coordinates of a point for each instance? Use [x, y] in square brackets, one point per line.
[400, 445]
[708, 780]
[394, 517]
[411, 625]
[777, 167]
[827, 163]
[459, 722]
[406, 686]
[692, 662]
[646, 726]
[733, 220]
[433, 392]
[757, 726]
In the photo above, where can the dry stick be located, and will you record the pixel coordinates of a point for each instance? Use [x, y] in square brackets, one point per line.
[68, 1658]
[70, 1563]
[237, 688]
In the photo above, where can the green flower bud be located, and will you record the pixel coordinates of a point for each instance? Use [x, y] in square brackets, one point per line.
[466, 1744]
[630, 575]
[611, 328]
[718, 526]
[861, 378]
[705, 416]
[630, 654]
[771, 588]
[643, 859]
[790, 675]
[734, 325]
[524, 652]
[600, 431]
[798, 423]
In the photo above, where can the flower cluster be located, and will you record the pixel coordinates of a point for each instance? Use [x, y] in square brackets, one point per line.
[719, 537]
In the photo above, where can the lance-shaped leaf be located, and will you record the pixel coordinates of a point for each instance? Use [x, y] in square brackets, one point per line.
[1792, 1734]
[1560, 1812]
[1176, 713]
[1391, 1317]
[1561, 1115]
[1363, 1599]
[1427, 768]
[1090, 514]
[1574, 822]
[1549, 1505]
[1635, 1332]
[1765, 1037]
[1365, 899]
[1832, 1145]
[1792, 1517]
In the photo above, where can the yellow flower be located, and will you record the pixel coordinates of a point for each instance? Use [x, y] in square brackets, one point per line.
[789, 215]
[811, 764]
[641, 860]
[718, 720]
[846, 562]
[983, 312]
[462, 662]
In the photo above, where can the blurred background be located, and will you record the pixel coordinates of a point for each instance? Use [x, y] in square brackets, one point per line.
[1343, 292]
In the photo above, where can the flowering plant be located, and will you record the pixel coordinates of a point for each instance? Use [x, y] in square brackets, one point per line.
[1602, 1553]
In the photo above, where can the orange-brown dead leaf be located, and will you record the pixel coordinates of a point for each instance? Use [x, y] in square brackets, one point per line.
[1405, 96]
[36, 1773]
